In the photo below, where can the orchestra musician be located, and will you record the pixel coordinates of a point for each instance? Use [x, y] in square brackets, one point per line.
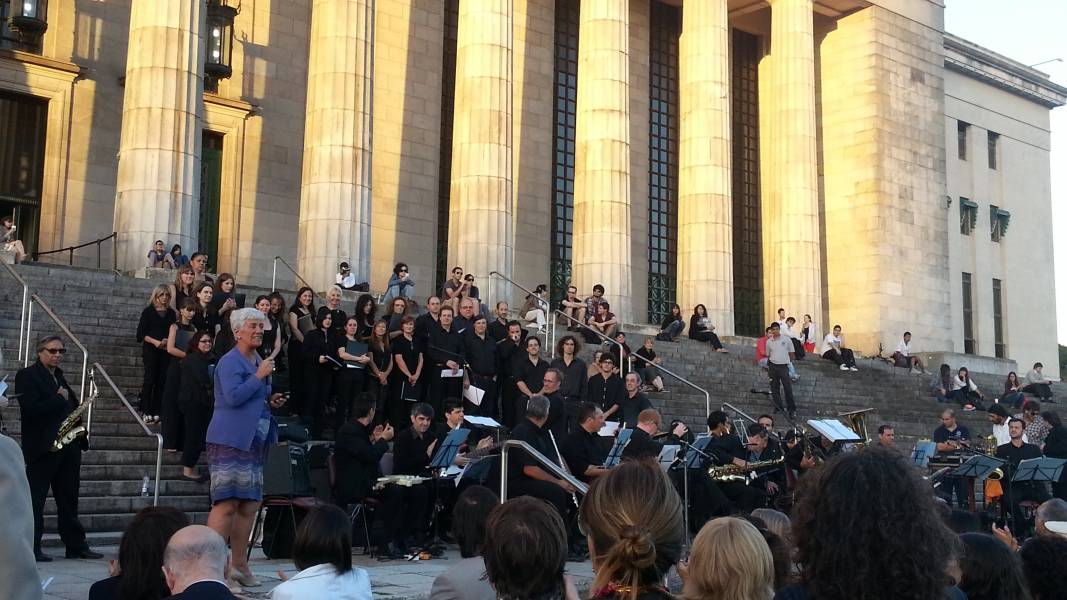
[358, 451]
[951, 438]
[727, 449]
[445, 352]
[1016, 451]
[771, 479]
[641, 444]
[557, 412]
[797, 457]
[507, 351]
[480, 350]
[46, 400]
[584, 448]
[525, 476]
[706, 499]
[412, 450]
[606, 388]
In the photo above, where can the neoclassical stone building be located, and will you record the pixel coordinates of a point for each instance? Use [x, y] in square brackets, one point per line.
[843, 158]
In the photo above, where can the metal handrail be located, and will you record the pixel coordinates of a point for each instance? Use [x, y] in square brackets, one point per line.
[622, 367]
[136, 417]
[22, 312]
[551, 325]
[726, 405]
[274, 274]
[34, 298]
[71, 249]
[543, 460]
[707, 395]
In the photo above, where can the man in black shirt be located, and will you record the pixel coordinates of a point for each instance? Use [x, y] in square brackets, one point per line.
[557, 413]
[770, 479]
[1015, 452]
[481, 353]
[467, 312]
[606, 388]
[950, 437]
[634, 402]
[529, 371]
[498, 328]
[727, 449]
[525, 475]
[445, 352]
[506, 350]
[585, 449]
[426, 322]
[358, 450]
[641, 444]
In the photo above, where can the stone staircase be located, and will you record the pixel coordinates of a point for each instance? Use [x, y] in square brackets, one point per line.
[102, 309]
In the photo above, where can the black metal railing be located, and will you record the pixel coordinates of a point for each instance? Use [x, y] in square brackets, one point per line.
[99, 262]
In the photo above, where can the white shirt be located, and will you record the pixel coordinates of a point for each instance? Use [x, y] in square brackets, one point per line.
[346, 281]
[322, 581]
[828, 343]
[778, 350]
[1001, 433]
[903, 348]
[813, 332]
[958, 384]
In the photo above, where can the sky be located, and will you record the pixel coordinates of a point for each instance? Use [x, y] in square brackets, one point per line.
[1029, 31]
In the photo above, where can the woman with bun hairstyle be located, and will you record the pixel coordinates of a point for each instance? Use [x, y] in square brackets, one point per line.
[632, 518]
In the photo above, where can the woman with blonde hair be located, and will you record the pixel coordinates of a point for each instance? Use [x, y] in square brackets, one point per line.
[153, 329]
[182, 287]
[632, 518]
[730, 559]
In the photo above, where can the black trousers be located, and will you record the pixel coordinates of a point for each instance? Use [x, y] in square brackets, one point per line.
[706, 499]
[348, 383]
[295, 357]
[441, 388]
[155, 378]
[317, 387]
[845, 357]
[398, 506]
[744, 497]
[798, 349]
[1021, 492]
[488, 407]
[59, 471]
[381, 396]
[398, 410]
[173, 425]
[708, 336]
[197, 418]
[1041, 390]
[545, 490]
[1059, 488]
[507, 402]
[780, 379]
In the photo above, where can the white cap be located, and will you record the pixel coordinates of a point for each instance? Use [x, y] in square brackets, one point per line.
[1058, 527]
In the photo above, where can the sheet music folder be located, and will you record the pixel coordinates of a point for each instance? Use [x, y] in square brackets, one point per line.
[446, 454]
[355, 348]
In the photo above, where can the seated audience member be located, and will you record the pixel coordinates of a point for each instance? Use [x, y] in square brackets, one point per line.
[809, 334]
[525, 551]
[1035, 427]
[9, 240]
[583, 448]
[886, 436]
[400, 284]
[179, 257]
[634, 402]
[1050, 519]
[776, 521]
[606, 388]
[730, 559]
[1015, 452]
[941, 384]
[594, 365]
[1045, 567]
[702, 329]
[525, 476]
[951, 439]
[574, 307]
[672, 326]
[198, 261]
[535, 310]
[990, 570]
[845, 548]
[646, 366]
[592, 301]
[196, 564]
[902, 357]
[782, 320]
[833, 348]
[138, 571]
[159, 258]
[1056, 447]
[632, 518]
[963, 521]
[466, 580]
[1013, 395]
[357, 455]
[322, 550]
[621, 351]
[603, 322]
[965, 391]
[454, 290]
[998, 417]
[1037, 384]
[18, 570]
[790, 332]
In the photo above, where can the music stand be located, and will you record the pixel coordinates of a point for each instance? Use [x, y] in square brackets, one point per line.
[1039, 469]
[977, 467]
[616, 451]
[922, 453]
[667, 456]
[446, 454]
[692, 459]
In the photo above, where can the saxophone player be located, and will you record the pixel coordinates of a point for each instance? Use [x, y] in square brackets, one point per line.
[771, 479]
[46, 399]
[727, 449]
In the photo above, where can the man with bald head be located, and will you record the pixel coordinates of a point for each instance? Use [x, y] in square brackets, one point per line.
[196, 565]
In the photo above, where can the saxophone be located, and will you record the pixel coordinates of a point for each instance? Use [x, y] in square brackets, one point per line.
[741, 473]
[72, 427]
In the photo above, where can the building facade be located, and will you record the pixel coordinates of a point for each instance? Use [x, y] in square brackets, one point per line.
[741, 154]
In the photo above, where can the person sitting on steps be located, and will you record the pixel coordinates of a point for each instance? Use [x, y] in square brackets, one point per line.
[833, 348]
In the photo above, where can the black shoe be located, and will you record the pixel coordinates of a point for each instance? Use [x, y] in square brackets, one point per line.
[196, 478]
[390, 552]
[86, 553]
[41, 557]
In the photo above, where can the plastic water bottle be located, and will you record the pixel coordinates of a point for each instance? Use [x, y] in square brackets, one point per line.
[144, 485]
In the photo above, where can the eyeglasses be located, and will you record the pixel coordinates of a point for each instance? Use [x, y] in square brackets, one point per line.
[205, 341]
[56, 350]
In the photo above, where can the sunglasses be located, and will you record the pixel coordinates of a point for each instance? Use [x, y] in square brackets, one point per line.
[56, 350]
[403, 270]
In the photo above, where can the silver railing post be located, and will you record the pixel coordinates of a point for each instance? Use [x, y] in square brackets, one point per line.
[707, 395]
[29, 334]
[140, 422]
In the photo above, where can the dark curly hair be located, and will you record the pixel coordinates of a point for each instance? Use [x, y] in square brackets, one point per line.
[141, 552]
[866, 528]
[1043, 559]
[991, 571]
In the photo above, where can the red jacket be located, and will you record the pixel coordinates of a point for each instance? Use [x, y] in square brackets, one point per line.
[761, 348]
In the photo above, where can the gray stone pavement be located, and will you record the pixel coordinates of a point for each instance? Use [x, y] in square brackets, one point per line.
[395, 580]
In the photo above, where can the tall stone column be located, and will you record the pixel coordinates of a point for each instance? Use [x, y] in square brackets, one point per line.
[335, 187]
[602, 154]
[158, 186]
[481, 235]
[792, 261]
[705, 221]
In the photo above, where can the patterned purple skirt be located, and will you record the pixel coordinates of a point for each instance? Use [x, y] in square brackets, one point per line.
[236, 474]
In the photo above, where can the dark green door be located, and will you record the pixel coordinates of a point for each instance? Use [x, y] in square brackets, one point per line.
[22, 129]
[210, 197]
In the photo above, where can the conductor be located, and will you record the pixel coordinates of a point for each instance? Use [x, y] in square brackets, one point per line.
[46, 399]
